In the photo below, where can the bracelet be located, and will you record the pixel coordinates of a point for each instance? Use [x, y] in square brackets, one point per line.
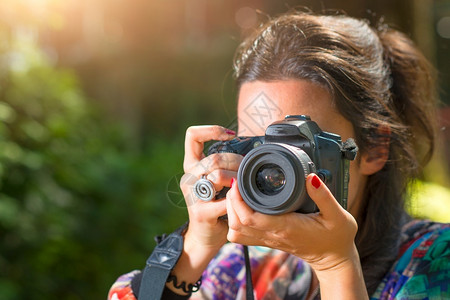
[191, 288]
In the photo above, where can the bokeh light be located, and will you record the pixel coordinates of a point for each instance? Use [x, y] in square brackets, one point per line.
[443, 27]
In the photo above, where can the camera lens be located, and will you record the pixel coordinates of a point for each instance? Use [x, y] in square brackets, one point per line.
[270, 179]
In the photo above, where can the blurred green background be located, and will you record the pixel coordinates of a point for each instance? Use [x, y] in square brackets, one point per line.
[95, 97]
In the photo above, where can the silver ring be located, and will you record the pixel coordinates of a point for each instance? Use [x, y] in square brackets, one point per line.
[204, 189]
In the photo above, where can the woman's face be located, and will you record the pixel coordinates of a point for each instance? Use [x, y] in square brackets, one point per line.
[261, 103]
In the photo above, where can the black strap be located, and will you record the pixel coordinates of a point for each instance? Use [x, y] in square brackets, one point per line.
[159, 264]
[248, 276]
[164, 258]
[167, 293]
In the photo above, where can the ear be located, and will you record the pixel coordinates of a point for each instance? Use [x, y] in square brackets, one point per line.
[374, 159]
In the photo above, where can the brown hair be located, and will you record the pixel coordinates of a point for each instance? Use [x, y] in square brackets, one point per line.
[378, 80]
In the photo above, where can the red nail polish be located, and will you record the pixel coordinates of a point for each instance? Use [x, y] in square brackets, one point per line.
[232, 182]
[230, 132]
[315, 181]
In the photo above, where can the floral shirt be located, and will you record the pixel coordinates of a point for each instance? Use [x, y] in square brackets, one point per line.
[422, 271]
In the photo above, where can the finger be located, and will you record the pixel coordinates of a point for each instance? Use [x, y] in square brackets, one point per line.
[322, 196]
[198, 208]
[236, 232]
[231, 214]
[211, 210]
[217, 161]
[221, 178]
[196, 136]
[242, 213]
[249, 218]
[207, 212]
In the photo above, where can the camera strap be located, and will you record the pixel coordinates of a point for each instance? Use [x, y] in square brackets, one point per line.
[349, 149]
[164, 258]
[160, 263]
[248, 276]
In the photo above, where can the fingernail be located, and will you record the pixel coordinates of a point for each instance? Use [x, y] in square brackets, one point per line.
[315, 181]
[232, 182]
[230, 132]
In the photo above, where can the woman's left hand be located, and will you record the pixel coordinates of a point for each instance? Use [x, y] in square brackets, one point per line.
[324, 239]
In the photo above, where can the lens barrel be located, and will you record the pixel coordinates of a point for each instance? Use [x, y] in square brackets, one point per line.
[272, 177]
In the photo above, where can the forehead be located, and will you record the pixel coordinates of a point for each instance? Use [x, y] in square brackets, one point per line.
[261, 103]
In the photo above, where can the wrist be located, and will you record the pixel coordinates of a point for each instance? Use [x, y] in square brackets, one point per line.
[195, 242]
[343, 278]
[335, 263]
[193, 261]
[339, 271]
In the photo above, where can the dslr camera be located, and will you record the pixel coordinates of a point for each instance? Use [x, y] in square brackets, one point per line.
[272, 175]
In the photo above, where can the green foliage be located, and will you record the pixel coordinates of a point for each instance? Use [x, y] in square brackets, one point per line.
[79, 205]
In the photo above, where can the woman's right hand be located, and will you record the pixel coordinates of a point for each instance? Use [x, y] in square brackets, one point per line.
[206, 233]
[205, 228]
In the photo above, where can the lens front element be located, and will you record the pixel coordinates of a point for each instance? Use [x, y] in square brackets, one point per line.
[270, 179]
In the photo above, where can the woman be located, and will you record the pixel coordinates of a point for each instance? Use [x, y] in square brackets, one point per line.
[369, 84]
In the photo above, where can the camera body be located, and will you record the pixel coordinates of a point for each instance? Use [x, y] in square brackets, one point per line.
[272, 175]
